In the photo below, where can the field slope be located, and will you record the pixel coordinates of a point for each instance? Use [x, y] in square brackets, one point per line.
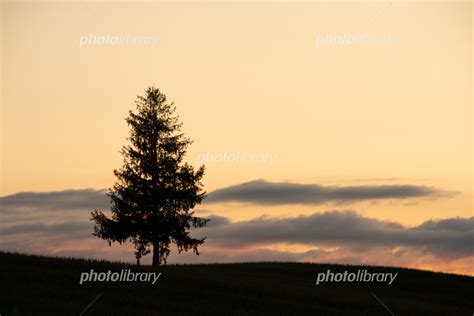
[35, 285]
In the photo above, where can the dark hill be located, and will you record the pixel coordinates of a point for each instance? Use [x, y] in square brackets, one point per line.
[36, 285]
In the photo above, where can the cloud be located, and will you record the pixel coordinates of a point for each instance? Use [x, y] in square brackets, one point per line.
[449, 237]
[450, 224]
[55, 200]
[57, 223]
[67, 230]
[258, 192]
[262, 192]
[216, 220]
[334, 237]
[39, 217]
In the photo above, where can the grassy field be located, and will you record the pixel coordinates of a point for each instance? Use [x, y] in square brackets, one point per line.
[34, 285]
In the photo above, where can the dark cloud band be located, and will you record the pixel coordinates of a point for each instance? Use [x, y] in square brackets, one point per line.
[56, 200]
[448, 237]
[267, 193]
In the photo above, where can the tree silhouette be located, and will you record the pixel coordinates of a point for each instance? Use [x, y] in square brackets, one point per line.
[155, 191]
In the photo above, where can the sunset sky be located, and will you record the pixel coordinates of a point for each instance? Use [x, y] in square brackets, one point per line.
[371, 141]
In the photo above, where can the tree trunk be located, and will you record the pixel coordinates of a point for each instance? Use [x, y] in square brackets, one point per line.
[156, 254]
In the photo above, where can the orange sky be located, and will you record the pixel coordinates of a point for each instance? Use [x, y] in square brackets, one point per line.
[248, 77]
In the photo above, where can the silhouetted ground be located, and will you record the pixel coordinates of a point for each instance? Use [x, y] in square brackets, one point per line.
[35, 285]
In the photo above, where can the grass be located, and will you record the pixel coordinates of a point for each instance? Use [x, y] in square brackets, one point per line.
[37, 285]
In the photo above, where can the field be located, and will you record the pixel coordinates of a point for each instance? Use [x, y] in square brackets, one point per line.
[35, 285]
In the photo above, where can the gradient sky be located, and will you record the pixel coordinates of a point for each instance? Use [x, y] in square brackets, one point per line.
[248, 78]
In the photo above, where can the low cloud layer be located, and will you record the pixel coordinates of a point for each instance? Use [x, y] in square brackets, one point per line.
[55, 200]
[72, 230]
[258, 192]
[57, 223]
[447, 237]
[262, 192]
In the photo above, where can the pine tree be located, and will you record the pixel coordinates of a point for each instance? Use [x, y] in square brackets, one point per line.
[155, 192]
